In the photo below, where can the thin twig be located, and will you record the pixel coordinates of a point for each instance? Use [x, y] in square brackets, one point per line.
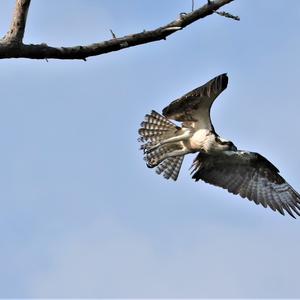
[228, 15]
[113, 34]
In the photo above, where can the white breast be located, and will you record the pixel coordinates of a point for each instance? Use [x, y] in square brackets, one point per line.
[200, 138]
[204, 139]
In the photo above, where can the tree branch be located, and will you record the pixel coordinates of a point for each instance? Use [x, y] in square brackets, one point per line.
[17, 27]
[43, 51]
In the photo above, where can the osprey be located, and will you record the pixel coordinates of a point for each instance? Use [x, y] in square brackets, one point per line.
[218, 162]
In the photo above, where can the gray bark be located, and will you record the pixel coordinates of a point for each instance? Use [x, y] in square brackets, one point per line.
[11, 46]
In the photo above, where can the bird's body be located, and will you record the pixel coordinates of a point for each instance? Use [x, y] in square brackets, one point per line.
[218, 161]
[208, 142]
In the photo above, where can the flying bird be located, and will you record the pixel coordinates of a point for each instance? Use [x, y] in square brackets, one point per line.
[218, 162]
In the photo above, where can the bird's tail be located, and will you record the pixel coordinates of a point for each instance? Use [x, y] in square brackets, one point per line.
[170, 167]
[154, 129]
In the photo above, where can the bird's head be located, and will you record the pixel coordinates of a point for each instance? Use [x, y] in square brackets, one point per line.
[231, 146]
[226, 145]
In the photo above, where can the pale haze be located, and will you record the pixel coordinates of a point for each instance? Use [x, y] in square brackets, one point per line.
[81, 214]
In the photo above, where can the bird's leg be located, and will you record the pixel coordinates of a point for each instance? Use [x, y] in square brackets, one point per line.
[154, 161]
[174, 139]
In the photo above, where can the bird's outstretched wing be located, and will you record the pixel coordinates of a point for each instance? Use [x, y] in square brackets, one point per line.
[250, 175]
[195, 105]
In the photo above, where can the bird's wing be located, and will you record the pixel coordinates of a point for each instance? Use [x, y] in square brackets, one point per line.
[195, 105]
[250, 175]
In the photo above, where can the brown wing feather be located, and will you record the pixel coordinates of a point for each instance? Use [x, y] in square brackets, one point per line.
[195, 105]
[250, 175]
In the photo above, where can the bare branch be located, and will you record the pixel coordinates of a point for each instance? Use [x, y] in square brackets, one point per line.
[17, 27]
[43, 51]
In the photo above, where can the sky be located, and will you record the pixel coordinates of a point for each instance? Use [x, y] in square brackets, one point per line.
[81, 214]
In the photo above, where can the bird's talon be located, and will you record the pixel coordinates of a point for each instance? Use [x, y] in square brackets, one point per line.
[152, 162]
[152, 148]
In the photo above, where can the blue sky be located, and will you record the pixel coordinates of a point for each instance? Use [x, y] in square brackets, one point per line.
[82, 216]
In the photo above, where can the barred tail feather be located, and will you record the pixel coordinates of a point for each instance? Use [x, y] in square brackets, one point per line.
[154, 129]
[161, 151]
[170, 167]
